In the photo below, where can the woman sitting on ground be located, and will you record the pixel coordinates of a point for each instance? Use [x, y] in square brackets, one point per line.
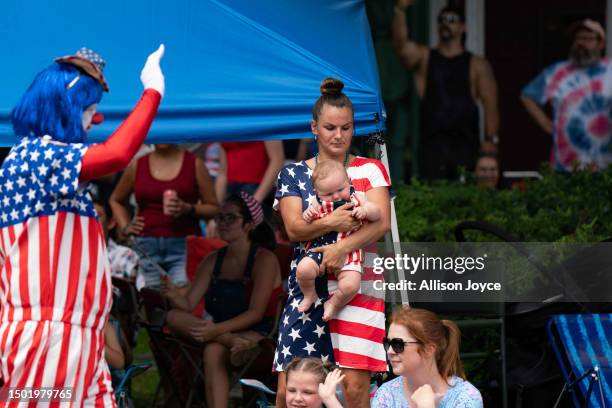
[424, 352]
[237, 283]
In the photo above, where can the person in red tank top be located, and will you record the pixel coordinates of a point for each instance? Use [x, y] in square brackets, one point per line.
[251, 167]
[160, 232]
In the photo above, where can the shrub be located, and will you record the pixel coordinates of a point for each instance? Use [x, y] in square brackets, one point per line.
[563, 207]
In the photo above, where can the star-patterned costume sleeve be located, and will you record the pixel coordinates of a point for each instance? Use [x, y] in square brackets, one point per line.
[115, 154]
[39, 177]
[288, 183]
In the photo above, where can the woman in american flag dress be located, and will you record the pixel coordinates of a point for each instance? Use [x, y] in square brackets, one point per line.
[353, 339]
[55, 284]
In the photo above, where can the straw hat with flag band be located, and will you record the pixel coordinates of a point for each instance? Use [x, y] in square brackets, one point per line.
[89, 62]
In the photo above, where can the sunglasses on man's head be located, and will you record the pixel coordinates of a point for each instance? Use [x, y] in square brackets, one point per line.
[227, 218]
[449, 19]
[397, 344]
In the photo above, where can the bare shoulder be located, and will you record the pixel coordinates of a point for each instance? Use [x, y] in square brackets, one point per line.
[199, 162]
[266, 266]
[130, 170]
[207, 264]
[480, 64]
[423, 52]
[266, 257]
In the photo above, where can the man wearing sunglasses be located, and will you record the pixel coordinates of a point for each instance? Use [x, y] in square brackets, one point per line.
[449, 80]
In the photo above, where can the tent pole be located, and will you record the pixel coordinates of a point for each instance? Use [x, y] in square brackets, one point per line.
[392, 238]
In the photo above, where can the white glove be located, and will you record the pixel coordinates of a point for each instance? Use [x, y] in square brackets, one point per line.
[151, 75]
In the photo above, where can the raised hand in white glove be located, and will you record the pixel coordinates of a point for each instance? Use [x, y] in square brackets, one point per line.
[151, 75]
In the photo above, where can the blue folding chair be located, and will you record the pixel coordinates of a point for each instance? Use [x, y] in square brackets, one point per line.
[583, 346]
[122, 391]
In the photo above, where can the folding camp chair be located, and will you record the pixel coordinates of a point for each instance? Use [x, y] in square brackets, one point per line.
[259, 366]
[252, 369]
[192, 352]
[583, 346]
[122, 397]
[263, 393]
[128, 309]
[161, 342]
[490, 315]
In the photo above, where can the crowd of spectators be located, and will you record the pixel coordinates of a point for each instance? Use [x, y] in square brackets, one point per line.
[170, 193]
[146, 227]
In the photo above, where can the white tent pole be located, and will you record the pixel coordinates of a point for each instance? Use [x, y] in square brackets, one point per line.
[392, 239]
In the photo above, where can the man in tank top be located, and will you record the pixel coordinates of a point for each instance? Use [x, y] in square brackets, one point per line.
[448, 80]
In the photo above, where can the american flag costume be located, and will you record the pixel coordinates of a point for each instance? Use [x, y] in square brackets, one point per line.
[55, 282]
[55, 287]
[353, 339]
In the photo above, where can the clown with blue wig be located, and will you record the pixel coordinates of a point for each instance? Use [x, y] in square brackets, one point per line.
[55, 282]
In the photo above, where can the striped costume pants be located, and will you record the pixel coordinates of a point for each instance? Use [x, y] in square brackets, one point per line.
[55, 355]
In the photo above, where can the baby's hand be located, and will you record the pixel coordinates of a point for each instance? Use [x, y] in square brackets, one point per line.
[360, 213]
[310, 214]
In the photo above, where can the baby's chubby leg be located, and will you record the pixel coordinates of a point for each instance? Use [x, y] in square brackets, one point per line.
[349, 283]
[306, 273]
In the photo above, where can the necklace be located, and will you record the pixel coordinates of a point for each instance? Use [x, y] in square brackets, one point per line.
[346, 158]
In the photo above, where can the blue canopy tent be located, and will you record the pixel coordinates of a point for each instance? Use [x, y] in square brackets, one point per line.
[235, 69]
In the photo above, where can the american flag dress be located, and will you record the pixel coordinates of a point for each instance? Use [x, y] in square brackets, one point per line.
[55, 282]
[354, 259]
[354, 338]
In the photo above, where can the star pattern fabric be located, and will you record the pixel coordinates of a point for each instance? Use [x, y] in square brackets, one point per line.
[301, 334]
[56, 295]
[353, 338]
[90, 55]
[40, 177]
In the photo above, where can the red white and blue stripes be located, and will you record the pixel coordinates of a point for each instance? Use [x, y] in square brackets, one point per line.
[55, 287]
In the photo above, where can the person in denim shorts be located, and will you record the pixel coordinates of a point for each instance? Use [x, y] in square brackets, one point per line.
[162, 223]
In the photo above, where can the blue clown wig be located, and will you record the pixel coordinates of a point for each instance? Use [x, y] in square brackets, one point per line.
[49, 107]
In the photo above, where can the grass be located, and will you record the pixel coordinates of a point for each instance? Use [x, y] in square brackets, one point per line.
[143, 386]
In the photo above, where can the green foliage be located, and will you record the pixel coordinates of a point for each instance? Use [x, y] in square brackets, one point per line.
[571, 207]
[567, 208]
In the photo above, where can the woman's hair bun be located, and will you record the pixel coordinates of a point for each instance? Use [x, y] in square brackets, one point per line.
[331, 86]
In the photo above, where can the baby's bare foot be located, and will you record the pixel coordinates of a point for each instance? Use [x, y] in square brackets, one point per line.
[306, 303]
[329, 310]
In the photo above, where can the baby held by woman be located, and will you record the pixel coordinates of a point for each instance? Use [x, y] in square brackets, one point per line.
[333, 187]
